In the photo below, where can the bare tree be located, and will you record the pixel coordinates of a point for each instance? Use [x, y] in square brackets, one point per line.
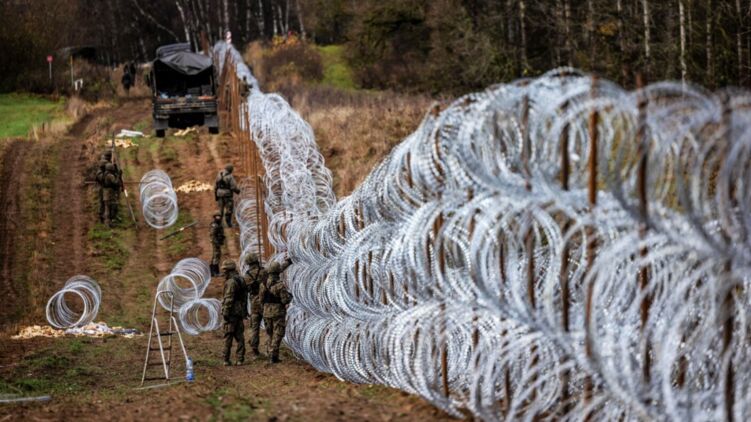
[154, 21]
[182, 17]
[647, 45]
[682, 20]
[709, 42]
[299, 18]
[523, 35]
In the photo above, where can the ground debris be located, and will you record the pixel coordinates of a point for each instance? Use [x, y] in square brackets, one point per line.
[94, 329]
[193, 186]
[121, 143]
[185, 132]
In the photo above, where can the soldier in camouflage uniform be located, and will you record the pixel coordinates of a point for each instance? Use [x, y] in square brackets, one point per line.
[100, 173]
[224, 189]
[234, 312]
[111, 193]
[275, 297]
[255, 275]
[217, 240]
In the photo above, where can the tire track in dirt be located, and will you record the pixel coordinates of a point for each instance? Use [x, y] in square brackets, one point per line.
[69, 219]
[11, 221]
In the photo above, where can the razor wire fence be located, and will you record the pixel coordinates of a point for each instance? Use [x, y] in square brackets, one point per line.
[556, 247]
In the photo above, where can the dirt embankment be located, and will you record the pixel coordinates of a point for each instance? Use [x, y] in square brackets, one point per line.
[52, 233]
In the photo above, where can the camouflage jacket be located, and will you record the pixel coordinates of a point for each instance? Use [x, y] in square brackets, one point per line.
[217, 233]
[235, 299]
[254, 278]
[225, 185]
[274, 293]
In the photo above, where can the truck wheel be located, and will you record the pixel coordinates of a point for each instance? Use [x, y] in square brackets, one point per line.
[160, 133]
[213, 130]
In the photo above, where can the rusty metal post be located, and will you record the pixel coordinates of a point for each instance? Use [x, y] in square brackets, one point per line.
[591, 245]
[641, 185]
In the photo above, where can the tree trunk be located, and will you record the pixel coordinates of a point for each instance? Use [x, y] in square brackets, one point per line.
[739, 42]
[523, 35]
[182, 18]
[299, 18]
[624, 58]
[567, 26]
[248, 16]
[709, 47]
[261, 19]
[682, 20]
[154, 21]
[647, 41]
[286, 18]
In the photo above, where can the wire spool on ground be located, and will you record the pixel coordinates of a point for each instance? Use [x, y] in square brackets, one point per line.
[200, 316]
[187, 281]
[158, 200]
[81, 288]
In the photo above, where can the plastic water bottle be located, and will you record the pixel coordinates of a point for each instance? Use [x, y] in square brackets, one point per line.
[189, 370]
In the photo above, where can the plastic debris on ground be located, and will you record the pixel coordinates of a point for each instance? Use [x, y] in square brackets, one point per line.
[125, 133]
[193, 186]
[95, 329]
[185, 132]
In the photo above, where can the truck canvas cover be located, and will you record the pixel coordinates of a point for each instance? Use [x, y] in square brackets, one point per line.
[180, 58]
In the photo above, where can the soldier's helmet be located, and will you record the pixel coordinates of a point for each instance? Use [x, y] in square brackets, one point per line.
[109, 167]
[275, 267]
[228, 265]
[251, 259]
[229, 168]
[102, 163]
[217, 216]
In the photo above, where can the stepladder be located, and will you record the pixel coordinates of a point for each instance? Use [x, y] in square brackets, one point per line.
[157, 365]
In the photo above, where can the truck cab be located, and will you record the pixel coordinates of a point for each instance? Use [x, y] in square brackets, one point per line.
[183, 89]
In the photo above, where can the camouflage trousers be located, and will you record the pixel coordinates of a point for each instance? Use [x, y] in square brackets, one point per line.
[234, 329]
[255, 328]
[216, 256]
[101, 205]
[275, 328]
[226, 208]
[110, 211]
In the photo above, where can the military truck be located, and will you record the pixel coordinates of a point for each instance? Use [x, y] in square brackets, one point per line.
[183, 89]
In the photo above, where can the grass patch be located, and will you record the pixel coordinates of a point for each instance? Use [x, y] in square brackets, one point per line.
[180, 243]
[109, 244]
[336, 71]
[20, 112]
[230, 407]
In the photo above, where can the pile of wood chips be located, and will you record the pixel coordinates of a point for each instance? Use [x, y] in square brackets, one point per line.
[121, 143]
[193, 186]
[94, 329]
[185, 132]
[38, 331]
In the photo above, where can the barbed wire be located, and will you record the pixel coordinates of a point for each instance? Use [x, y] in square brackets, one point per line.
[554, 247]
[89, 294]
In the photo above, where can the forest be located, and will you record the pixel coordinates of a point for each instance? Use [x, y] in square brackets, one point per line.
[430, 46]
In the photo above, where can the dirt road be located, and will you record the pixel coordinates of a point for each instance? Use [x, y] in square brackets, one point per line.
[95, 378]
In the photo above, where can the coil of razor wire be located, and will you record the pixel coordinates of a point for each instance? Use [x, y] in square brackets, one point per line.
[552, 247]
[188, 281]
[158, 200]
[200, 316]
[82, 289]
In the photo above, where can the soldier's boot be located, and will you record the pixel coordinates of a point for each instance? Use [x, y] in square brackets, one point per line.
[255, 353]
[240, 362]
[227, 363]
[274, 358]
